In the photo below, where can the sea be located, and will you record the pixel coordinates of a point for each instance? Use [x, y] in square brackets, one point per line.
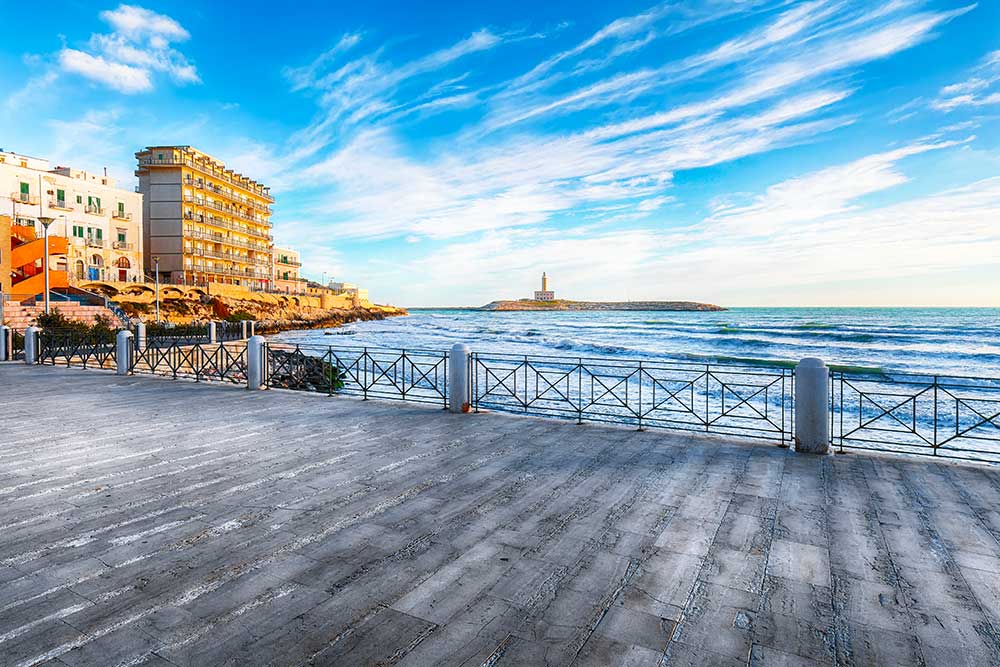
[946, 341]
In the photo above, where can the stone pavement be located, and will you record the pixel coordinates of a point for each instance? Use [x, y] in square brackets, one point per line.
[158, 522]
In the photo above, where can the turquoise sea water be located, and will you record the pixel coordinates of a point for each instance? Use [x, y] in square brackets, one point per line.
[953, 341]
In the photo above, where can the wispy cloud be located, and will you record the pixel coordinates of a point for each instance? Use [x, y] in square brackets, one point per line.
[982, 88]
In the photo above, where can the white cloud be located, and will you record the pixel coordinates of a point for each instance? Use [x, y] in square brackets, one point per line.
[126, 59]
[123, 78]
[982, 88]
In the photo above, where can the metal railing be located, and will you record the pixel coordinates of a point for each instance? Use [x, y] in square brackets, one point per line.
[754, 401]
[260, 191]
[202, 361]
[945, 416]
[409, 375]
[74, 348]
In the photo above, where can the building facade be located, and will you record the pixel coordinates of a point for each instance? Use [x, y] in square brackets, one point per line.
[287, 265]
[202, 221]
[102, 222]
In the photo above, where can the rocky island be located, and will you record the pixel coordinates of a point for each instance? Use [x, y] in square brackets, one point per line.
[545, 299]
[563, 304]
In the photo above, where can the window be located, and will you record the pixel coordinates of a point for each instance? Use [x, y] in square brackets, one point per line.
[61, 196]
[97, 200]
[159, 156]
[100, 234]
[78, 231]
[121, 236]
[25, 188]
[79, 199]
[121, 208]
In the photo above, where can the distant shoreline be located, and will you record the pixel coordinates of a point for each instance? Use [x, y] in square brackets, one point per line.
[561, 305]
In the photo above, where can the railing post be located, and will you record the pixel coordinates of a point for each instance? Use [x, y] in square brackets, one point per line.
[6, 343]
[243, 330]
[255, 362]
[812, 404]
[140, 336]
[124, 349]
[251, 328]
[31, 345]
[212, 339]
[458, 378]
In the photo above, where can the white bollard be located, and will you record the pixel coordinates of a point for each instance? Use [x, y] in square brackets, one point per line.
[140, 336]
[124, 349]
[244, 329]
[255, 362]
[253, 328]
[5, 344]
[31, 342]
[458, 379]
[812, 407]
[211, 333]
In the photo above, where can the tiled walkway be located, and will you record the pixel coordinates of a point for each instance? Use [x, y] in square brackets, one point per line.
[157, 522]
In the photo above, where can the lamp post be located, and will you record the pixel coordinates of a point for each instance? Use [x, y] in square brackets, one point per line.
[46, 221]
[156, 276]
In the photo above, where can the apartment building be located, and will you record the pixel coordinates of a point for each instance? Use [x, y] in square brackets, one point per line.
[204, 222]
[101, 221]
[287, 265]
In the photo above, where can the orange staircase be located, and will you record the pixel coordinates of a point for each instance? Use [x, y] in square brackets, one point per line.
[26, 255]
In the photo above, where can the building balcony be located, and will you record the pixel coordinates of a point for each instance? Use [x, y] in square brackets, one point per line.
[60, 204]
[287, 262]
[96, 243]
[121, 215]
[93, 209]
[258, 191]
[123, 245]
[24, 198]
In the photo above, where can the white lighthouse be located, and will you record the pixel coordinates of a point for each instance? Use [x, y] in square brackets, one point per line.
[545, 294]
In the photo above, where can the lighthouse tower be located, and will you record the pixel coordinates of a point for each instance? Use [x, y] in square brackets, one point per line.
[544, 294]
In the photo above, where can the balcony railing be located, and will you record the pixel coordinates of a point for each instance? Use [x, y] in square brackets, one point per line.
[24, 198]
[214, 173]
[121, 215]
[123, 245]
[60, 203]
[94, 209]
[284, 261]
[96, 243]
[230, 210]
[219, 238]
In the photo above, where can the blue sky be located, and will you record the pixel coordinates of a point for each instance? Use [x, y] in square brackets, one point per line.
[829, 152]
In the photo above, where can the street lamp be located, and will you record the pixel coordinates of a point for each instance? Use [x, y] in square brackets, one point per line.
[156, 276]
[46, 221]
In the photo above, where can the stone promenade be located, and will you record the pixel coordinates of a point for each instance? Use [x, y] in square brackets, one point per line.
[145, 521]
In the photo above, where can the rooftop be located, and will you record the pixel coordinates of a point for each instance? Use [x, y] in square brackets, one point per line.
[171, 523]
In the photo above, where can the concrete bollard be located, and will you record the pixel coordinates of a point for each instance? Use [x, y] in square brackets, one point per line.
[252, 331]
[31, 344]
[211, 333]
[124, 349]
[459, 383]
[6, 341]
[812, 407]
[255, 362]
[140, 336]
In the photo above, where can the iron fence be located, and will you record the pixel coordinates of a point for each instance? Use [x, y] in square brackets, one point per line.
[410, 375]
[946, 416]
[754, 401]
[76, 348]
[201, 361]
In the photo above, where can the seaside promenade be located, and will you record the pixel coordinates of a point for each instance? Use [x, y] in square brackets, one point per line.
[148, 521]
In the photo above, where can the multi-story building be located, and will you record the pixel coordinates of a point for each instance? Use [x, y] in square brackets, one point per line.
[286, 271]
[101, 220]
[202, 221]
